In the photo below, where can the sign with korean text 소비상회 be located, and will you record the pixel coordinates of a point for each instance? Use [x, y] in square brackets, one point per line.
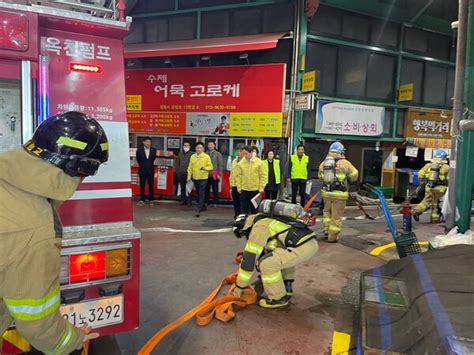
[309, 81]
[425, 123]
[256, 124]
[207, 97]
[349, 119]
[134, 102]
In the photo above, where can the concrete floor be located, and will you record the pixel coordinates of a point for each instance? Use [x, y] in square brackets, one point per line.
[179, 269]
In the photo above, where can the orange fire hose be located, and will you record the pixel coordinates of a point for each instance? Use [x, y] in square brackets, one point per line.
[310, 201]
[220, 308]
[85, 348]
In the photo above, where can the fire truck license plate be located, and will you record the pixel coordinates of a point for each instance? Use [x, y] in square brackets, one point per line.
[95, 313]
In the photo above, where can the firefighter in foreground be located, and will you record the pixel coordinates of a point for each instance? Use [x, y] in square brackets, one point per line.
[34, 180]
[434, 176]
[279, 238]
[336, 173]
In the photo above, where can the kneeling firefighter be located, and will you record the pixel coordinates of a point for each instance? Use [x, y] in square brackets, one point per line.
[336, 173]
[434, 176]
[34, 180]
[279, 238]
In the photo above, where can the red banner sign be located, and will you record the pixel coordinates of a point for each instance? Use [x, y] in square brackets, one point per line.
[252, 88]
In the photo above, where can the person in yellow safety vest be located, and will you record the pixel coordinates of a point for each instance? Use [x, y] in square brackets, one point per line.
[299, 173]
[34, 180]
[336, 173]
[251, 179]
[272, 167]
[435, 176]
[233, 180]
[274, 247]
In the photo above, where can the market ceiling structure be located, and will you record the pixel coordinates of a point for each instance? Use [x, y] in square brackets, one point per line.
[435, 15]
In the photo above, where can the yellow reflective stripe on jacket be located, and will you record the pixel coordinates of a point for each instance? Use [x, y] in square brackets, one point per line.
[253, 248]
[353, 173]
[64, 342]
[272, 278]
[33, 309]
[272, 245]
[243, 275]
[305, 238]
[277, 227]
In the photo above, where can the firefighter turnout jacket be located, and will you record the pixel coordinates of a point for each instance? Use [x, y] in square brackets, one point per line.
[439, 183]
[276, 247]
[345, 173]
[30, 252]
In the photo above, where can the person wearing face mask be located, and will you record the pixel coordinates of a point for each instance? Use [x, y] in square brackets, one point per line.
[272, 167]
[251, 179]
[182, 170]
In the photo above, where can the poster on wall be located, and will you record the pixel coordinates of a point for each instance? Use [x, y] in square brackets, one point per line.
[206, 124]
[349, 119]
[207, 101]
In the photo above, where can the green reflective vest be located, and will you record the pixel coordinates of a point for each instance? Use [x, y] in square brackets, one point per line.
[299, 168]
[276, 169]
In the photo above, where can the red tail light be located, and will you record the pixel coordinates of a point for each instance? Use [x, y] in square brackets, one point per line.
[86, 267]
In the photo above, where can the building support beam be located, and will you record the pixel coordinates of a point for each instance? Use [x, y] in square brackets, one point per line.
[464, 167]
[298, 67]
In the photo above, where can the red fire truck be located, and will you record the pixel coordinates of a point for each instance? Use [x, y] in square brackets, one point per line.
[68, 56]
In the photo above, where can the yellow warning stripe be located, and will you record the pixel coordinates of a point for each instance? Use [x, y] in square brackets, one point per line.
[73, 143]
[14, 338]
[379, 250]
[340, 343]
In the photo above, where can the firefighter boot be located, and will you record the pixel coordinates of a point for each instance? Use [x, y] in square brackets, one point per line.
[270, 304]
[289, 287]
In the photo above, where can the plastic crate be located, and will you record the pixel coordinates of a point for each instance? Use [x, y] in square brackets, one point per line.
[407, 244]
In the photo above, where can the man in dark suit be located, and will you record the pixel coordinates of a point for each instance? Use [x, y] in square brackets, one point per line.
[146, 155]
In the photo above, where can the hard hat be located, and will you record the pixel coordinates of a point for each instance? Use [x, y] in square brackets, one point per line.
[440, 153]
[337, 147]
[72, 141]
[238, 225]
